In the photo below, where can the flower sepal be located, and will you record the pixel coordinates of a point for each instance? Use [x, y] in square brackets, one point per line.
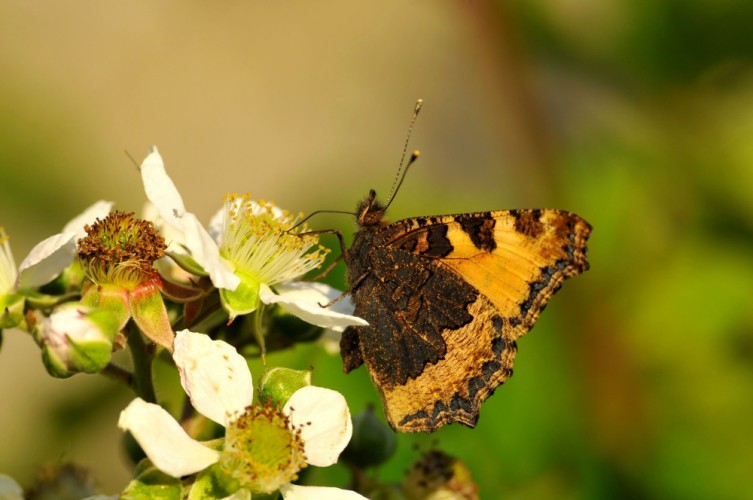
[11, 310]
[244, 299]
[112, 298]
[187, 263]
[150, 314]
[150, 482]
[278, 385]
[213, 483]
[44, 301]
[180, 293]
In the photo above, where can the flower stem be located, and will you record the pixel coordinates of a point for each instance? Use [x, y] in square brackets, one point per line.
[118, 373]
[142, 365]
[259, 332]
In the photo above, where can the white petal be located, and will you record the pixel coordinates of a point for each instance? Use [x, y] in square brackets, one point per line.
[161, 190]
[303, 299]
[10, 489]
[295, 492]
[164, 441]
[206, 252]
[98, 210]
[214, 375]
[324, 419]
[8, 271]
[217, 225]
[47, 260]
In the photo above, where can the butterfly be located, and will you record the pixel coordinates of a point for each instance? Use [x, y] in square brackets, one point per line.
[446, 298]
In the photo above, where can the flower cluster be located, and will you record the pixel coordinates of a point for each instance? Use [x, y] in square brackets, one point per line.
[210, 301]
[165, 285]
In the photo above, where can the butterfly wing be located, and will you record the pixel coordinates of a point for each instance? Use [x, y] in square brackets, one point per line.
[446, 298]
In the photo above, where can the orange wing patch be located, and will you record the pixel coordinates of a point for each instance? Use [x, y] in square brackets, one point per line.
[516, 258]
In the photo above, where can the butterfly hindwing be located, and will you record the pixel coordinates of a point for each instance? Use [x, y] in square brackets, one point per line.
[446, 297]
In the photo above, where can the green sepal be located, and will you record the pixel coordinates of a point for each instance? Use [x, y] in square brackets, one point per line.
[151, 483]
[55, 366]
[112, 298]
[212, 483]
[244, 299]
[181, 293]
[150, 314]
[278, 384]
[187, 263]
[11, 310]
[38, 300]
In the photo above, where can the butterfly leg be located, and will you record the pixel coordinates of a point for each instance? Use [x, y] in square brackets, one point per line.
[345, 293]
[329, 268]
[343, 248]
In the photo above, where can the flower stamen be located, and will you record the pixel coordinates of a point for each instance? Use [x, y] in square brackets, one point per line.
[120, 249]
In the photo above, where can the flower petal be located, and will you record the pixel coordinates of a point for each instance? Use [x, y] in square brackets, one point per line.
[214, 376]
[216, 225]
[47, 260]
[10, 489]
[161, 190]
[324, 419]
[206, 252]
[164, 441]
[295, 492]
[98, 210]
[303, 299]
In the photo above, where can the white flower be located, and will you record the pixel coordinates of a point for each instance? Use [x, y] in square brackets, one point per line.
[49, 257]
[250, 253]
[313, 427]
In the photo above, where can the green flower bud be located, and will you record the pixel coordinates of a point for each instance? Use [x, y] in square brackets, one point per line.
[278, 384]
[76, 339]
[372, 444]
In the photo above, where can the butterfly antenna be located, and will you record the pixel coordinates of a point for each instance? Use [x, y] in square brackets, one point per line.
[403, 167]
[316, 213]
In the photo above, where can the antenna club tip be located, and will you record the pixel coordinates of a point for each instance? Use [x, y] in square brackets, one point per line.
[416, 153]
[419, 104]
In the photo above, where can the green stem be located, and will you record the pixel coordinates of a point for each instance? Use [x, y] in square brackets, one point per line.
[118, 373]
[142, 364]
[259, 332]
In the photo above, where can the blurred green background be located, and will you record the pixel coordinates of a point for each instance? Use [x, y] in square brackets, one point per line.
[637, 380]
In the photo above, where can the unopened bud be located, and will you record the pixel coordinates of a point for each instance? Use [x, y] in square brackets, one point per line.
[77, 338]
[278, 384]
[372, 444]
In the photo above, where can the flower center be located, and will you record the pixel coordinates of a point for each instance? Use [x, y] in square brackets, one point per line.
[261, 452]
[120, 249]
[257, 238]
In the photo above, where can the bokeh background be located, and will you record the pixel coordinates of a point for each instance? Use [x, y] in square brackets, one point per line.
[638, 379]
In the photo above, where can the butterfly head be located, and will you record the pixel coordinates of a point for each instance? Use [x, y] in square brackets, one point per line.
[370, 212]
